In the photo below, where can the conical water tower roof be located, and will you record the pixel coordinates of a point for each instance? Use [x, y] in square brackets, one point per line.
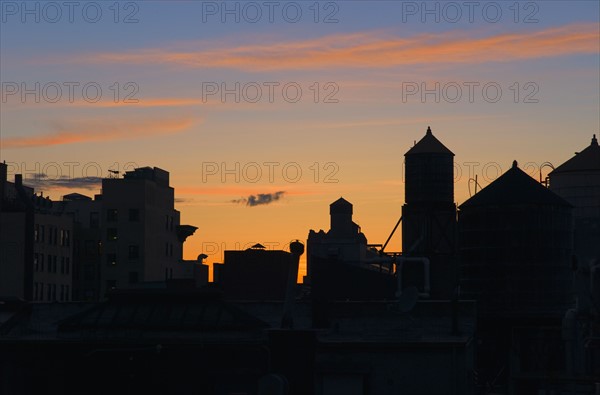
[429, 145]
[588, 159]
[515, 187]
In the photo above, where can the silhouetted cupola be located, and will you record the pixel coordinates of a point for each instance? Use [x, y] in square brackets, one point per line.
[429, 172]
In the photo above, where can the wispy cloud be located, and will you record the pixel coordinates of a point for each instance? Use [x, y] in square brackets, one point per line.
[98, 130]
[45, 182]
[260, 199]
[370, 49]
[141, 103]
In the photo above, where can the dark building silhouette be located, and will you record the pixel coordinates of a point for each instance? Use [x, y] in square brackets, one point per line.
[515, 250]
[254, 274]
[344, 241]
[87, 241]
[525, 318]
[429, 212]
[142, 239]
[36, 254]
[137, 342]
[578, 182]
[516, 244]
[341, 265]
[181, 342]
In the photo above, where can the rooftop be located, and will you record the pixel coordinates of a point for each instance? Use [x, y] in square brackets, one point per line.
[340, 206]
[429, 145]
[588, 159]
[515, 187]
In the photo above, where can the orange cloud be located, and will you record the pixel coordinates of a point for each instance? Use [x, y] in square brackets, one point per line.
[100, 130]
[370, 50]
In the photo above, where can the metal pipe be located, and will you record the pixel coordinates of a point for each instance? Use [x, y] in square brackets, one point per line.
[399, 262]
[426, 273]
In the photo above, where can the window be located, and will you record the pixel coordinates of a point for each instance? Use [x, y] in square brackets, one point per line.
[55, 263]
[53, 291]
[62, 293]
[111, 259]
[41, 258]
[134, 252]
[89, 248]
[49, 286]
[42, 233]
[111, 284]
[170, 249]
[67, 295]
[67, 265]
[49, 235]
[35, 262]
[41, 294]
[65, 238]
[111, 234]
[166, 222]
[166, 249]
[36, 233]
[88, 274]
[35, 291]
[112, 215]
[55, 236]
[49, 263]
[94, 220]
[62, 265]
[133, 277]
[134, 215]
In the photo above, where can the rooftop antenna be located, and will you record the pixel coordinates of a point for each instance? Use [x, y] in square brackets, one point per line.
[546, 180]
[476, 185]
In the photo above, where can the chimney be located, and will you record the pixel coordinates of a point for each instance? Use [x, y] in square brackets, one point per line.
[3, 172]
[297, 249]
[18, 180]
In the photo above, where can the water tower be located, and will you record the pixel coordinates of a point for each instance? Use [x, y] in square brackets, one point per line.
[578, 181]
[429, 212]
[515, 249]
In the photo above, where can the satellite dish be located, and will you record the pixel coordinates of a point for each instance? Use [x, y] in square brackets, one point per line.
[408, 299]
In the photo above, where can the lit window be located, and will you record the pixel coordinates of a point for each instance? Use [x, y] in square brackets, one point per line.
[111, 259]
[111, 234]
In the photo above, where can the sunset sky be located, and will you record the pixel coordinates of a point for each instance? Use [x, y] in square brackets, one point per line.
[361, 66]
